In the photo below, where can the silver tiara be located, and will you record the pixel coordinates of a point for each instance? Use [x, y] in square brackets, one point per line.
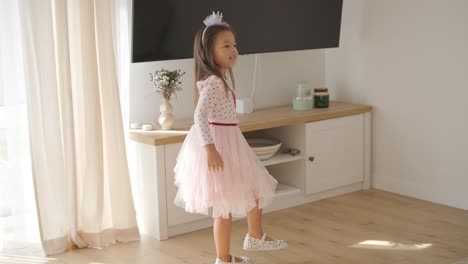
[211, 20]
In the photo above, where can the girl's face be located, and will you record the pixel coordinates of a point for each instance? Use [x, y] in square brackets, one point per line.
[224, 50]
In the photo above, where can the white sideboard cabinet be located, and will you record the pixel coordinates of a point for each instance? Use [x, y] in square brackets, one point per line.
[334, 159]
[334, 153]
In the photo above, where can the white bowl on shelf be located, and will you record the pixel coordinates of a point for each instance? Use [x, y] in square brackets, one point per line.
[264, 148]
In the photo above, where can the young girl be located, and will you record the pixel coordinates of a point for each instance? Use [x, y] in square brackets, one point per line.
[216, 168]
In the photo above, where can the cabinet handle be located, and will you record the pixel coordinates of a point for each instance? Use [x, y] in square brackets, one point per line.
[311, 158]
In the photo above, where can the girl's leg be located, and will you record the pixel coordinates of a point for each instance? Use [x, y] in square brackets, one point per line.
[222, 236]
[252, 239]
[254, 220]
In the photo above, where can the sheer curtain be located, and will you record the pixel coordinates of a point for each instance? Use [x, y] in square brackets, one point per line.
[18, 216]
[78, 157]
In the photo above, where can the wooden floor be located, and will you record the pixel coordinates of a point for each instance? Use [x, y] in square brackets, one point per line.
[363, 227]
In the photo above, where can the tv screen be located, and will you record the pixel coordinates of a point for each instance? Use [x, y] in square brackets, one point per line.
[165, 29]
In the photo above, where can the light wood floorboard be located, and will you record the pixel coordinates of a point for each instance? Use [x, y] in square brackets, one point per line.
[326, 231]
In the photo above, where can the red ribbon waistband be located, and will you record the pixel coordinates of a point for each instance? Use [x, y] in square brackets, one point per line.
[222, 124]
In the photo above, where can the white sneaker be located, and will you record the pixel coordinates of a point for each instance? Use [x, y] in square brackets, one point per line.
[252, 243]
[245, 260]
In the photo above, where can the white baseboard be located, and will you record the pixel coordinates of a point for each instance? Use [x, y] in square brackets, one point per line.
[420, 191]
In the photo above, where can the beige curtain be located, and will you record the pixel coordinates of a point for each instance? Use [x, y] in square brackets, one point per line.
[79, 165]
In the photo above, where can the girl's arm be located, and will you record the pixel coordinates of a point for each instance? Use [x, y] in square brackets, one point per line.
[207, 101]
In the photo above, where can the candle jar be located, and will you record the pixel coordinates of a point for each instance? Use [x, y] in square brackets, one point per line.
[321, 98]
[302, 89]
[303, 100]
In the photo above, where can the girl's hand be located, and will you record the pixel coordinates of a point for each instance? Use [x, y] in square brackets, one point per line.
[215, 161]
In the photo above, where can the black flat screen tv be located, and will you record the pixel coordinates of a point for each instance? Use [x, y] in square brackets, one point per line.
[165, 29]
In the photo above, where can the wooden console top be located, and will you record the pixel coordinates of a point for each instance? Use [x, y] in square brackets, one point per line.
[259, 119]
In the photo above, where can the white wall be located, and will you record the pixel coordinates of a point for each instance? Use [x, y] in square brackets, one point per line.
[409, 60]
[277, 75]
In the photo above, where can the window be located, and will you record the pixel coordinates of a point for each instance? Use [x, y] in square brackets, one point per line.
[18, 217]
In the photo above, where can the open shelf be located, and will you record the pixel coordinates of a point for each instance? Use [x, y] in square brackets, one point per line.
[281, 158]
[286, 190]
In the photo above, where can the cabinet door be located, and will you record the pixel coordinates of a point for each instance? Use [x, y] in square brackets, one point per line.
[334, 153]
[175, 215]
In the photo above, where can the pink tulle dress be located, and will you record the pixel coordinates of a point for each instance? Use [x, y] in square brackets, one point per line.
[243, 179]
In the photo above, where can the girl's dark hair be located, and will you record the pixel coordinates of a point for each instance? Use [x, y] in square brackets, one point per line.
[203, 56]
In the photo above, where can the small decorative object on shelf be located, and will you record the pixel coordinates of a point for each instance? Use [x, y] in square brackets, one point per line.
[303, 99]
[291, 151]
[135, 125]
[321, 98]
[167, 83]
[147, 127]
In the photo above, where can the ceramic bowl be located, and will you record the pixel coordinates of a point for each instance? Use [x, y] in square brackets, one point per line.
[264, 148]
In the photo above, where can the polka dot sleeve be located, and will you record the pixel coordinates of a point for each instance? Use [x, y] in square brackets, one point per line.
[209, 96]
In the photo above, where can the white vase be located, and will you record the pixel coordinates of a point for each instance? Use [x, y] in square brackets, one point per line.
[166, 118]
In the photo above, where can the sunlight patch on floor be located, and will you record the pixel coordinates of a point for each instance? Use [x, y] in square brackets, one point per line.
[389, 245]
[463, 261]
